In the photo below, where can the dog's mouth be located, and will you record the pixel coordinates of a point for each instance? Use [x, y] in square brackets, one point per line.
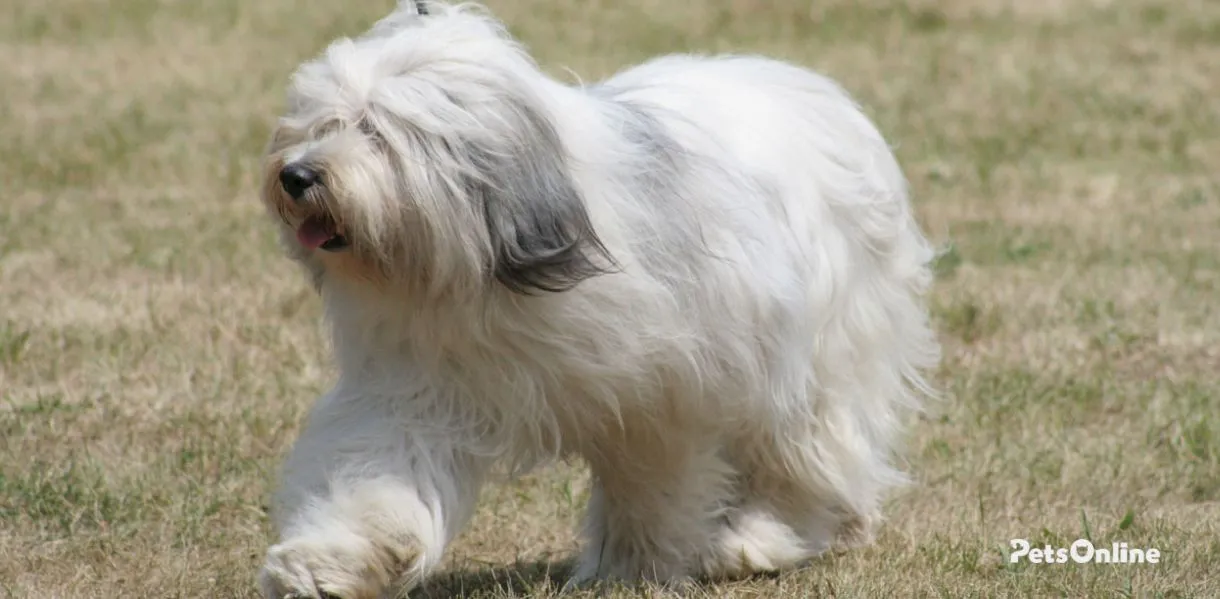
[321, 232]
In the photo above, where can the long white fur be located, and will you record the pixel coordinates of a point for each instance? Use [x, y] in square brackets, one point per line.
[736, 378]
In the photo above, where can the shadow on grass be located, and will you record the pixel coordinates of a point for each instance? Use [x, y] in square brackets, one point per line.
[537, 578]
[545, 579]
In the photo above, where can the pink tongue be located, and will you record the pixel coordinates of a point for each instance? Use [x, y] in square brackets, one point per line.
[313, 233]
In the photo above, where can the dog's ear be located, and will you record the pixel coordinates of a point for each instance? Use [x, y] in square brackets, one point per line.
[538, 225]
[545, 243]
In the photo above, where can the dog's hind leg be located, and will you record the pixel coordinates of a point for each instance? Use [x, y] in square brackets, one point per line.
[777, 521]
[654, 510]
[805, 491]
[699, 513]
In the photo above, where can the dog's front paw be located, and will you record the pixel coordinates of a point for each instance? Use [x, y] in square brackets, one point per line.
[333, 567]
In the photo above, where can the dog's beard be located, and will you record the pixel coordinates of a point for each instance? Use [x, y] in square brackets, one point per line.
[323, 231]
[318, 226]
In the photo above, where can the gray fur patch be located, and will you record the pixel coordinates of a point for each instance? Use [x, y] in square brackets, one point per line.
[537, 221]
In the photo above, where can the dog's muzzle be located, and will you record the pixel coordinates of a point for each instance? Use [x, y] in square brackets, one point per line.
[317, 231]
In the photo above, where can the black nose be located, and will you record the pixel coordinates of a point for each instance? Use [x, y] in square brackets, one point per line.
[297, 178]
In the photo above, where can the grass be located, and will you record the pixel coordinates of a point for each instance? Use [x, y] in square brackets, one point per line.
[157, 353]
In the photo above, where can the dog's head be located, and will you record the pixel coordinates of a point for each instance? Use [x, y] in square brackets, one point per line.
[422, 154]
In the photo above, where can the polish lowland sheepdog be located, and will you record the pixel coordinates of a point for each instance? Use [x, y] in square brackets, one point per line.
[701, 276]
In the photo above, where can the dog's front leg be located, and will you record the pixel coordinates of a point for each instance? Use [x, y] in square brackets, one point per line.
[371, 495]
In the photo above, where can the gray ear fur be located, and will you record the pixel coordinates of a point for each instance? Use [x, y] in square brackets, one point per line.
[536, 218]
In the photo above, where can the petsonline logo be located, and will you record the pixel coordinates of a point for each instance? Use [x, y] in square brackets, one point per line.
[1082, 551]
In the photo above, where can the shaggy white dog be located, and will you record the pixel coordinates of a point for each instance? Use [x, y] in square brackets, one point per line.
[702, 276]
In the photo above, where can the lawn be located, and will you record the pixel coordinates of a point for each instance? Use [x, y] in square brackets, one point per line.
[158, 353]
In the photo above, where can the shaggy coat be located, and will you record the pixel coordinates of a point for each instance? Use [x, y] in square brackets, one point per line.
[702, 276]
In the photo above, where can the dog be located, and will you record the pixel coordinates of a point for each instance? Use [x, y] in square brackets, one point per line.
[701, 276]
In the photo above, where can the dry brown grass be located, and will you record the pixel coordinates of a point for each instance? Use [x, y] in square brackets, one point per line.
[157, 353]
